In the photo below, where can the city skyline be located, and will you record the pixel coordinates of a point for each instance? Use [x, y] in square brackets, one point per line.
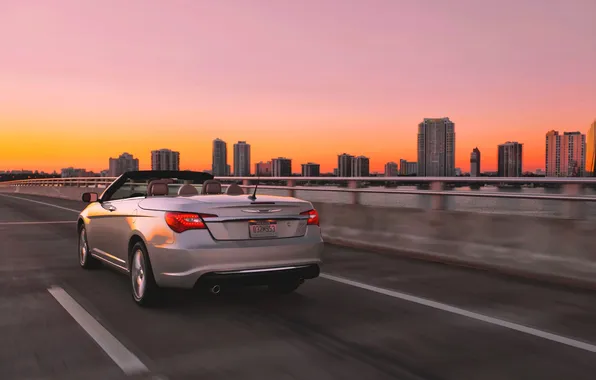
[96, 80]
[443, 135]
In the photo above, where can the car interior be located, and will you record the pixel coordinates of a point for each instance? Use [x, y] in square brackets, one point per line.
[170, 187]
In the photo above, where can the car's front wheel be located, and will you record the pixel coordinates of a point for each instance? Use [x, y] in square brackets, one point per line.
[145, 291]
[86, 261]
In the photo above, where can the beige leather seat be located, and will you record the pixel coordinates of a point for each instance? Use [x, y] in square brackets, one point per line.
[234, 189]
[187, 190]
[158, 187]
[211, 187]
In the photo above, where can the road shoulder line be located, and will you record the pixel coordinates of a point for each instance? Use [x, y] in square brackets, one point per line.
[465, 313]
[41, 203]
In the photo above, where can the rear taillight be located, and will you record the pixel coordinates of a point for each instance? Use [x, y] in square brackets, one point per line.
[313, 217]
[184, 221]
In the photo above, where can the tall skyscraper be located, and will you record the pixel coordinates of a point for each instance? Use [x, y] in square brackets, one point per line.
[510, 159]
[311, 170]
[475, 163]
[573, 154]
[565, 154]
[344, 165]
[436, 148]
[124, 163]
[552, 164]
[391, 169]
[591, 151]
[360, 166]
[281, 167]
[219, 159]
[165, 159]
[241, 159]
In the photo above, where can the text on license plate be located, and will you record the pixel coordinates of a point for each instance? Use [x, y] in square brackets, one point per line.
[262, 229]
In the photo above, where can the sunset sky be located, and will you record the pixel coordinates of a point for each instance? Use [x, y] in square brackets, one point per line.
[81, 81]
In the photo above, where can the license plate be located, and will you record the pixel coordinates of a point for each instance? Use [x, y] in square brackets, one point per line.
[262, 229]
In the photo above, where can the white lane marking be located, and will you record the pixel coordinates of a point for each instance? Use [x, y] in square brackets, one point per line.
[48, 222]
[42, 203]
[125, 359]
[465, 313]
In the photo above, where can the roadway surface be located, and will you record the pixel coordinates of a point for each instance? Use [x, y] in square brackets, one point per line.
[382, 325]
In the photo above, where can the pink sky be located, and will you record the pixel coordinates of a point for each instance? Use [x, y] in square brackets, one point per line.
[356, 76]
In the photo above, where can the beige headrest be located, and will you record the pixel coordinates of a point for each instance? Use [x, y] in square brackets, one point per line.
[158, 187]
[234, 189]
[211, 187]
[187, 191]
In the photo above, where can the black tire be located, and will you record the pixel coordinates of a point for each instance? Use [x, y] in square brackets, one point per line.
[285, 286]
[86, 261]
[144, 289]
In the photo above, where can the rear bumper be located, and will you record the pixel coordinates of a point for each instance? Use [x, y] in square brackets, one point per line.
[262, 276]
[196, 258]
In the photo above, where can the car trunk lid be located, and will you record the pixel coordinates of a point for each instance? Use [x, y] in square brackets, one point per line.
[240, 218]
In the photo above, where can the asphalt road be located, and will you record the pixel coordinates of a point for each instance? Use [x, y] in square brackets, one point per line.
[370, 317]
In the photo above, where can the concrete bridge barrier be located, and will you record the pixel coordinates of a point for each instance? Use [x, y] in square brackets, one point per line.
[63, 192]
[556, 249]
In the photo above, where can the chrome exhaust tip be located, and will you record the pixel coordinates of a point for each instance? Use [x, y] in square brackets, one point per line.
[215, 289]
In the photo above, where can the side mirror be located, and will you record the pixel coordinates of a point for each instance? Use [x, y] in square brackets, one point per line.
[90, 197]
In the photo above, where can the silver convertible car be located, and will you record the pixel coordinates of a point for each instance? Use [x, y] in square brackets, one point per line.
[177, 229]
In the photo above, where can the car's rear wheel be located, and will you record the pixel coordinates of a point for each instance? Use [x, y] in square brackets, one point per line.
[285, 286]
[145, 291]
[86, 261]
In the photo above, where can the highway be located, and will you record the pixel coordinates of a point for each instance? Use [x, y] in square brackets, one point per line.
[370, 316]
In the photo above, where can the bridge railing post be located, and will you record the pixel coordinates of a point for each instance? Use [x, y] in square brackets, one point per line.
[354, 195]
[291, 184]
[438, 202]
[573, 209]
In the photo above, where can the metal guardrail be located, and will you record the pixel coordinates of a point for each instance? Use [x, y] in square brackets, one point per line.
[572, 186]
[571, 197]
[404, 180]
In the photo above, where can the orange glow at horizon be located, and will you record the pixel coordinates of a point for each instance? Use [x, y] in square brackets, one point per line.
[60, 144]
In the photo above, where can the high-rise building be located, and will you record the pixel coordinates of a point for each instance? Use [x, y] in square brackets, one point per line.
[219, 158]
[124, 163]
[591, 151]
[241, 159]
[510, 159]
[475, 163]
[553, 154]
[263, 169]
[165, 159]
[436, 148]
[360, 166]
[281, 167]
[565, 154]
[75, 172]
[573, 154]
[311, 170]
[391, 169]
[344, 165]
[407, 168]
